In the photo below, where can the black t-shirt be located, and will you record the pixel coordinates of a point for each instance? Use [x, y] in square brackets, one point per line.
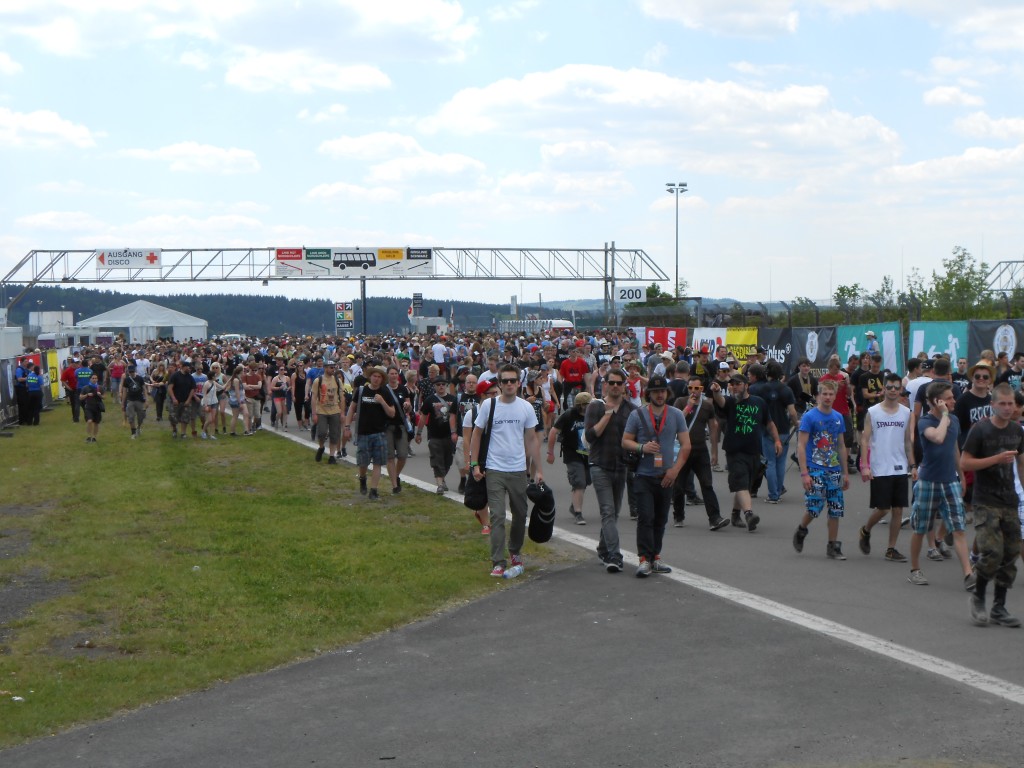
[570, 426]
[135, 388]
[182, 385]
[872, 382]
[1011, 377]
[994, 485]
[403, 396]
[372, 418]
[437, 410]
[969, 410]
[779, 397]
[746, 421]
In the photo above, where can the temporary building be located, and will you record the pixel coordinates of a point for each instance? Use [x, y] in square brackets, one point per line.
[146, 321]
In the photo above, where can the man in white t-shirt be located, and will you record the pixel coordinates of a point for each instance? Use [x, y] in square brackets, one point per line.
[512, 440]
[888, 464]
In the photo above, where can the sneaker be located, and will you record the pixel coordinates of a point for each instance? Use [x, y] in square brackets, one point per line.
[752, 521]
[943, 549]
[1002, 617]
[679, 522]
[717, 468]
[933, 554]
[978, 613]
[970, 582]
[893, 555]
[613, 566]
[905, 522]
[344, 453]
[644, 569]
[864, 540]
[213, 437]
[462, 485]
[798, 538]
[917, 578]
[205, 436]
[736, 520]
[362, 485]
[718, 523]
[517, 560]
[332, 460]
[948, 539]
[695, 500]
[133, 435]
[578, 517]
[373, 494]
[444, 486]
[770, 500]
[320, 453]
[440, 490]
[632, 515]
[659, 567]
[396, 490]
[498, 571]
[88, 439]
[834, 550]
[485, 530]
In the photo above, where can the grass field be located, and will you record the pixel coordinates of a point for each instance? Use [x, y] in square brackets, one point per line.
[133, 571]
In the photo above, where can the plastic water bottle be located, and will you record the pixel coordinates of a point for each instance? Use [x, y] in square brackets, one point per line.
[513, 572]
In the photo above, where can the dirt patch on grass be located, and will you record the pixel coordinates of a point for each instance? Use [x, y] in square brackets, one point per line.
[20, 593]
[25, 510]
[14, 543]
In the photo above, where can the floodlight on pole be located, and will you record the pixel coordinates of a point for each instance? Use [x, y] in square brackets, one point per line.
[678, 189]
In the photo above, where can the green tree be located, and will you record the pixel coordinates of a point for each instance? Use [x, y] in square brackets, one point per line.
[848, 299]
[960, 292]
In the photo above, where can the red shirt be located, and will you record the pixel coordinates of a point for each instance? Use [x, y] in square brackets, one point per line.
[572, 371]
[69, 377]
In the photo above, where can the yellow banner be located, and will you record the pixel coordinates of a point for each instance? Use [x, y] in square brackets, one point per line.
[741, 341]
[390, 254]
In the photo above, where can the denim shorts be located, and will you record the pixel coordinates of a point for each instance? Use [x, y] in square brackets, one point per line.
[826, 488]
[372, 449]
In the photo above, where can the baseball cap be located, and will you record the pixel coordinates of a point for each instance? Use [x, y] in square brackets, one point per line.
[482, 387]
[656, 383]
[724, 366]
[738, 377]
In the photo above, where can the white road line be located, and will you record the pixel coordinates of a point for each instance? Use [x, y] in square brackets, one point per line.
[923, 661]
[892, 651]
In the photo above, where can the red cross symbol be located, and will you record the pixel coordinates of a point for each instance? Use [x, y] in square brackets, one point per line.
[151, 258]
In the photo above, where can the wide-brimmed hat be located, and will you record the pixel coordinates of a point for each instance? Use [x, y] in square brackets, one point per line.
[982, 364]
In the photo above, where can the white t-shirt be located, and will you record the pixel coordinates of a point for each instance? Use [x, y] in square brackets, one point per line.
[438, 351]
[506, 451]
[914, 385]
[888, 436]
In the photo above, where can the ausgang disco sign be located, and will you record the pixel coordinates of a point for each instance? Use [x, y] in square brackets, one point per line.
[128, 258]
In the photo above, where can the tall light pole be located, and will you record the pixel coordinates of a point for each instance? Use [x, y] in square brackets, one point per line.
[677, 189]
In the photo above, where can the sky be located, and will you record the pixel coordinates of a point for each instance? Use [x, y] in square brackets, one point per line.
[823, 142]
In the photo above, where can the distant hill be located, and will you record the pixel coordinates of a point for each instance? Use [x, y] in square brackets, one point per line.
[271, 315]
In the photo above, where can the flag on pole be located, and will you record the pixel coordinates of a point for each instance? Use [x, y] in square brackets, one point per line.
[410, 313]
[451, 318]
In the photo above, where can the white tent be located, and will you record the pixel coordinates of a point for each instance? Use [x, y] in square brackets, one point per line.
[144, 319]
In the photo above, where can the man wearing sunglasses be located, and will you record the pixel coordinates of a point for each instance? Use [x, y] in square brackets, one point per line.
[698, 411]
[887, 464]
[513, 440]
[973, 406]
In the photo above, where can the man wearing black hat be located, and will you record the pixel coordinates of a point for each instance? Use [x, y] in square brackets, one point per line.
[180, 388]
[133, 399]
[660, 433]
[746, 419]
[440, 416]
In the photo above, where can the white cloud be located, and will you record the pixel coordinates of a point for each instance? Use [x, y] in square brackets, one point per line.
[980, 125]
[372, 146]
[298, 71]
[728, 17]
[190, 156]
[61, 36]
[332, 112]
[353, 192]
[974, 164]
[994, 29]
[427, 164]
[195, 59]
[60, 221]
[950, 95]
[511, 11]
[8, 66]
[42, 129]
[655, 55]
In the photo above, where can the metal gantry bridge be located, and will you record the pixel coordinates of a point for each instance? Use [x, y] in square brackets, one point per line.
[609, 265]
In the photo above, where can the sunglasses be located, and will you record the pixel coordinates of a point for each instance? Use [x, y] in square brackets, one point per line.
[695, 389]
[611, 383]
[510, 381]
[892, 387]
[982, 378]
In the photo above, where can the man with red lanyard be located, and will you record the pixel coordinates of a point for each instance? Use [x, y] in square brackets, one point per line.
[842, 403]
[571, 373]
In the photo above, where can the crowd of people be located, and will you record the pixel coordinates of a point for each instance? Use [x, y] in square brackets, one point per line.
[941, 446]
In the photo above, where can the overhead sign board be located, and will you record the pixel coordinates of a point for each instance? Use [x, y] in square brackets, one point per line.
[344, 316]
[128, 258]
[353, 262]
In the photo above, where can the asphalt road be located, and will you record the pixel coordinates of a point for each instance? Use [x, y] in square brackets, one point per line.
[747, 655]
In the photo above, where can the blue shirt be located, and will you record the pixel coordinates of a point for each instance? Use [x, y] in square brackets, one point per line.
[34, 382]
[824, 435]
[671, 423]
[938, 464]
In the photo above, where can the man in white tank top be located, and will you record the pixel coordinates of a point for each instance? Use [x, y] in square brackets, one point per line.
[887, 437]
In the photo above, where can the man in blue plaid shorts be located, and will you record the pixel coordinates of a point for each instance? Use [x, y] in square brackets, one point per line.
[823, 468]
[939, 486]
